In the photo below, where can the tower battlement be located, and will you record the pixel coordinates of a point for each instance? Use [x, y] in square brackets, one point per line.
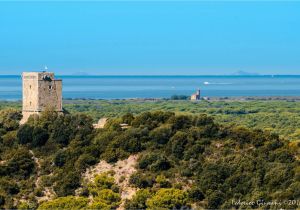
[40, 91]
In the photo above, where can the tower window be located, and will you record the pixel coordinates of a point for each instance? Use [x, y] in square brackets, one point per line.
[50, 87]
[29, 86]
[30, 103]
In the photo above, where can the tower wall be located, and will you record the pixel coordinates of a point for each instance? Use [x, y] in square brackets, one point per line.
[50, 95]
[30, 91]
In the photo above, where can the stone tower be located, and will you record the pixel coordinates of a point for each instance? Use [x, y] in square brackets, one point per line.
[40, 90]
[196, 96]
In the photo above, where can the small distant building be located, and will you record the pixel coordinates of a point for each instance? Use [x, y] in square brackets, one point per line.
[196, 96]
[40, 91]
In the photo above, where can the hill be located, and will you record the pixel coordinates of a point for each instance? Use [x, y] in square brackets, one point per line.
[245, 73]
[171, 161]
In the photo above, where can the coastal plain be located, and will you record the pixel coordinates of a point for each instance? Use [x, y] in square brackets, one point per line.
[280, 115]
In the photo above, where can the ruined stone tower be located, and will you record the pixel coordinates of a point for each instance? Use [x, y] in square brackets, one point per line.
[40, 90]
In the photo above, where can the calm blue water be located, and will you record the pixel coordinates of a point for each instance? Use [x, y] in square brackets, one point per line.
[112, 87]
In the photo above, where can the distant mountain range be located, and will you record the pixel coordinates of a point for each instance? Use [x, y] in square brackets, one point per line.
[244, 73]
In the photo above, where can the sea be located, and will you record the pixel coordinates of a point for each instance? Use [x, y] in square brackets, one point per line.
[130, 87]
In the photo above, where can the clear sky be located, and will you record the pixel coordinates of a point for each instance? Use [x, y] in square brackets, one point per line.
[144, 37]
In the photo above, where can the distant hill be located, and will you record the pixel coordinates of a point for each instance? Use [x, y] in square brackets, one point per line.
[244, 73]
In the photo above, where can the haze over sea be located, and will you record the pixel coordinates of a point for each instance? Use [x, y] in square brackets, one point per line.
[125, 87]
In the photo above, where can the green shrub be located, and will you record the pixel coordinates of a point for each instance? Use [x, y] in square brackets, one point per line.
[141, 180]
[169, 199]
[39, 137]
[177, 143]
[24, 134]
[60, 158]
[84, 161]
[161, 164]
[19, 166]
[99, 205]
[109, 197]
[146, 160]
[27, 205]
[161, 135]
[162, 181]
[9, 119]
[67, 183]
[139, 200]
[195, 194]
[102, 181]
[69, 202]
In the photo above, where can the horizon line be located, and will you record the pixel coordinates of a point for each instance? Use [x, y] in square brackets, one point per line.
[159, 74]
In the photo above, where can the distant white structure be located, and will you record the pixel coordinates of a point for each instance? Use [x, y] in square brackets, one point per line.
[196, 96]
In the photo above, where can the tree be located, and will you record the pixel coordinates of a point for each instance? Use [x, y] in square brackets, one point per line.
[61, 131]
[127, 118]
[161, 164]
[24, 134]
[180, 122]
[104, 191]
[162, 181]
[161, 135]
[147, 159]
[177, 143]
[39, 137]
[99, 205]
[215, 199]
[9, 186]
[19, 166]
[10, 138]
[67, 183]
[142, 180]
[27, 205]
[139, 200]
[84, 161]
[108, 197]
[69, 202]
[203, 120]
[180, 97]
[101, 182]
[60, 158]
[168, 198]
[2, 200]
[9, 119]
[195, 194]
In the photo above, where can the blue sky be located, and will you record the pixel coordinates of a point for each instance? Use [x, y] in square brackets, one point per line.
[144, 37]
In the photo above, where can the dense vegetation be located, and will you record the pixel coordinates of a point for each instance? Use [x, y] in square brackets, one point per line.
[184, 161]
[278, 116]
[281, 117]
